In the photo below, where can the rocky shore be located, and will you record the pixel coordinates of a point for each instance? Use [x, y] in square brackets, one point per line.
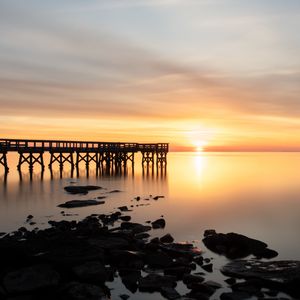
[77, 259]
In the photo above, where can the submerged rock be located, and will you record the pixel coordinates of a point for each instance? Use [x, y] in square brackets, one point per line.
[81, 189]
[284, 275]
[234, 245]
[31, 279]
[80, 203]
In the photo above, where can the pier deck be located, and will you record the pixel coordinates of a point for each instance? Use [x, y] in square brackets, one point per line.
[103, 154]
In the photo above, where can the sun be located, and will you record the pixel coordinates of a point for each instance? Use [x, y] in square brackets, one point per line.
[199, 145]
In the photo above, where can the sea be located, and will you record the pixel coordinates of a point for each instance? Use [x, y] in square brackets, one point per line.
[255, 194]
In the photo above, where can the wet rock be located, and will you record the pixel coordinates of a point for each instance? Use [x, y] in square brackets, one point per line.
[234, 296]
[83, 291]
[92, 271]
[109, 242]
[31, 279]
[124, 296]
[167, 238]
[230, 281]
[285, 275]
[138, 198]
[29, 217]
[213, 284]
[198, 260]
[192, 278]
[158, 259]
[234, 245]
[169, 293]
[207, 268]
[142, 235]
[177, 272]
[158, 197]
[2, 233]
[73, 189]
[181, 249]
[208, 232]
[154, 282]
[130, 278]
[126, 258]
[125, 218]
[80, 203]
[123, 208]
[135, 227]
[115, 191]
[160, 223]
[202, 288]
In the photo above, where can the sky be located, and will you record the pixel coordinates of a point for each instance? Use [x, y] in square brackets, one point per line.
[215, 75]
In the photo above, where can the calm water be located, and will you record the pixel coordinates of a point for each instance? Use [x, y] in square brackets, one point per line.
[256, 194]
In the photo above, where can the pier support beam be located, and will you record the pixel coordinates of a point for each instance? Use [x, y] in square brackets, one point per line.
[148, 157]
[161, 158]
[61, 158]
[87, 157]
[31, 158]
[3, 160]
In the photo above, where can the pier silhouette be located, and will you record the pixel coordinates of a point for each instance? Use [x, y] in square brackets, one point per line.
[108, 158]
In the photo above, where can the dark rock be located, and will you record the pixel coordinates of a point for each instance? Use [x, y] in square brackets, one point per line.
[234, 245]
[135, 227]
[126, 258]
[178, 272]
[72, 189]
[124, 296]
[234, 296]
[195, 295]
[160, 223]
[130, 277]
[115, 191]
[101, 197]
[181, 249]
[123, 208]
[138, 198]
[158, 259]
[32, 223]
[142, 235]
[80, 203]
[230, 281]
[92, 271]
[169, 293]
[125, 218]
[29, 217]
[154, 282]
[285, 275]
[213, 284]
[192, 278]
[167, 238]
[158, 197]
[109, 242]
[207, 268]
[198, 260]
[83, 291]
[202, 288]
[208, 232]
[31, 279]
[2, 233]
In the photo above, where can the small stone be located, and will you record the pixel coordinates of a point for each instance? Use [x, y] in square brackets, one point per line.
[208, 268]
[125, 218]
[123, 208]
[167, 238]
[124, 296]
[29, 217]
[230, 281]
[80, 203]
[160, 223]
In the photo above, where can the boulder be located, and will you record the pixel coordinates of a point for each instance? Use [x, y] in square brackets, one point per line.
[80, 203]
[160, 223]
[167, 239]
[92, 271]
[31, 279]
[81, 189]
[234, 245]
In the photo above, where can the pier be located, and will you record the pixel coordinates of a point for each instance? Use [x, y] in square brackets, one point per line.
[105, 156]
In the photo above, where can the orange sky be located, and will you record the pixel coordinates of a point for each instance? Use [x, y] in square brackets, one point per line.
[207, 75]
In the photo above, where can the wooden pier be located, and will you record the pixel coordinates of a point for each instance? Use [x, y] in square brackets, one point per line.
[104, 156]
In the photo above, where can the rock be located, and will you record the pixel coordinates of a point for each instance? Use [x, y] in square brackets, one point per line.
[167, 238]
[208, 232]
[2, 233]
[138, 198]
[192, 278]
[199, 260]
[213, 284]
[234, 296]
[83, 291]
[92, 271]
[73, 189]
[234, 245]
[123, 208]
[169, 293]
[135, 227]
[124, 296]
[207, 268]
[158, 197]
[158, 259]
[80, 203]
[109, 243]
[160, 223]
[130, 277]
[285, 275]
[178, 272]
[32, 223]
[154, 282]
[29, 217]
[126, 258]
[115, 191]
[125, 218]
[230, 281]
[181, 249]
[31, 279]
[142, 235]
